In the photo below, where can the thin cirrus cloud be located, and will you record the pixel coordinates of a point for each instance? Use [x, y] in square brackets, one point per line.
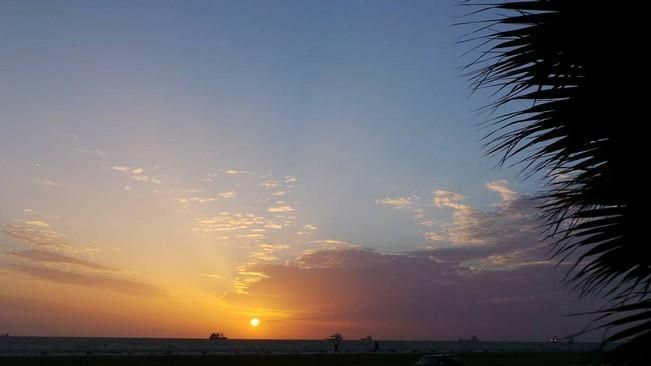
[42, 256]
[125, 286]
[53, 266]
[47, 182]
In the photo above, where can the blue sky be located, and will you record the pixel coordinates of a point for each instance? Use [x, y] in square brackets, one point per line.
[128, 127]
[361, 99]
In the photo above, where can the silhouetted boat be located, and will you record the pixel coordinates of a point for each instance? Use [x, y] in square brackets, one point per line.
[473, 339]
[217, 337]
[366, 338]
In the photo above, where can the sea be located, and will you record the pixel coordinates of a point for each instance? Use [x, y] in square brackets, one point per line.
[64, 346]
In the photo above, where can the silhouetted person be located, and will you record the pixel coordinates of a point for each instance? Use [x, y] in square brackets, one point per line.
[376, 346]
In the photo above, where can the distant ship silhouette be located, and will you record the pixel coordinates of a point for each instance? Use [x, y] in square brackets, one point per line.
[473, 339]
[218, 336]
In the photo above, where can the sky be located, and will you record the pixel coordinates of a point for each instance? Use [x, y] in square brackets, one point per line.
[174, 168]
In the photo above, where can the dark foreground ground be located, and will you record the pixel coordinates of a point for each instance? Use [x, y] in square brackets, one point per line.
[405, 359]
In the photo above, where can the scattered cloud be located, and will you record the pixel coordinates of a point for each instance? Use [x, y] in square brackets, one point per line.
[418, 296]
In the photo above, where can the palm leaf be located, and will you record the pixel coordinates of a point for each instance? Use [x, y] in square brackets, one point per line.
[558, 67]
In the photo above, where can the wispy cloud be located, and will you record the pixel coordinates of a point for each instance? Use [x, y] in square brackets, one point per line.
[37, 223]
[513, 219]
[92, 151]
[505, 236]
[502, 187]
[449, 199]
[398, 202]
[215, 276]
[235, 172]
[281, 206]
[120, 285]
[47, 182]
[332, 243]
[37, 233]
[269, 184]
[228, 194]
[137, 174]
[237, 225]
[42, 256]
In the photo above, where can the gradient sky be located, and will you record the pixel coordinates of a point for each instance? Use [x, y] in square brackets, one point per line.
[175, 168]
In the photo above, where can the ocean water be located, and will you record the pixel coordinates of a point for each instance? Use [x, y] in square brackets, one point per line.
[52, 346]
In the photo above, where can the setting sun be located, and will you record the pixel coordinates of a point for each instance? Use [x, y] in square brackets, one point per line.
[255, 322]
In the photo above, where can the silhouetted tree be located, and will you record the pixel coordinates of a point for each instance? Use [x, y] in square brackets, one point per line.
[565, 75]
[336, 339]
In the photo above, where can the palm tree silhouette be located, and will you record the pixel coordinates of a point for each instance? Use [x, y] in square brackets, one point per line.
[564, 71]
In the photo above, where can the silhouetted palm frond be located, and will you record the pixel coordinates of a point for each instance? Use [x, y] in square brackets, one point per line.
[564, 70]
